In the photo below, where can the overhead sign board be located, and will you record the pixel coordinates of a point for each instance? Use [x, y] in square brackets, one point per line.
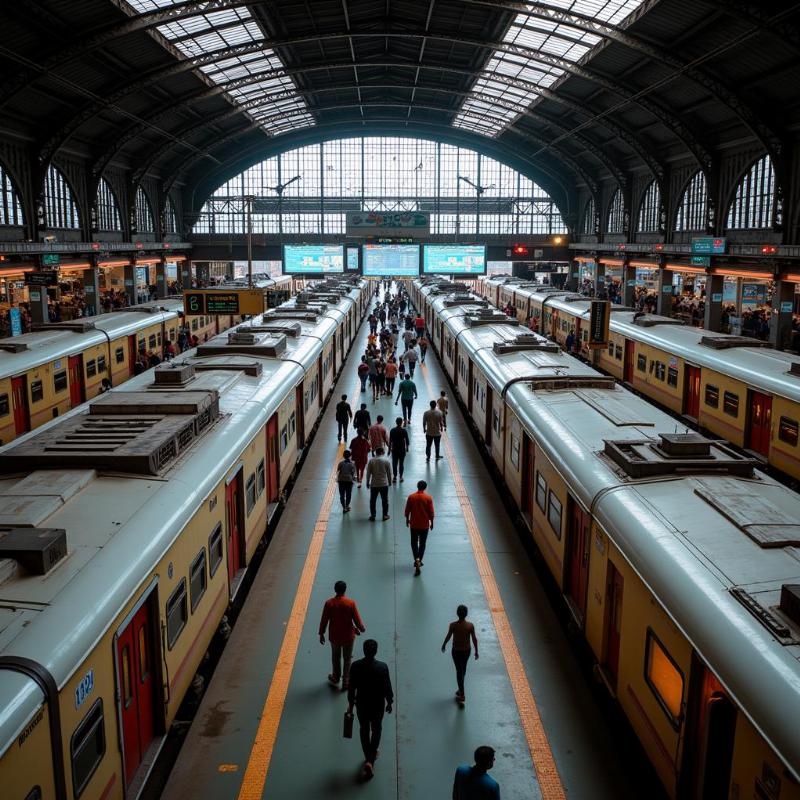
[700, 261]
[599, 323]
[222, 301]
[51, 259]
[377, 223]
[713, 245]
[48, 277]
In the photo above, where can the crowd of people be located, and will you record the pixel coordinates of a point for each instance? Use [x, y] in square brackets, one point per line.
[377, 454]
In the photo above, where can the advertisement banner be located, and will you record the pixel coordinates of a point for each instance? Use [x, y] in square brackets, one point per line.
[391, 223]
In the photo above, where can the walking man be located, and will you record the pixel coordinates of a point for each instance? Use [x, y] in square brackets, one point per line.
[443, 405]
[410, 357]
[345, 476]
[432, 421]
[423, 347]
[362, 419]
[378, 436]
[379, 478]
[407, 392]
[398, 447]
[370, 692]
[419, 325]
[363, 373]
[473, 783]
[461, 631]
[343, 416]
[343, 622]
[419, 518]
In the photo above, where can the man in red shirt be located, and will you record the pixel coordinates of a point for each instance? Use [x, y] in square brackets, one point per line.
[419, 517]
[340, 616]
[419, 325]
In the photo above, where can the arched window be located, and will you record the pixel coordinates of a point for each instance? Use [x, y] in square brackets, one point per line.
[616, 214]
[589, 214]
[650, 210]
[309, 189]
[10, 206]
[144, 213]
[59, 203]
[692, 208]
[753, 204]
[108, 216]
[170, 218]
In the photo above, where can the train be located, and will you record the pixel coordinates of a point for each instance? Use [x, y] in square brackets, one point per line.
[128, 525]
[676, 559]
[730, 386]
[58, 366]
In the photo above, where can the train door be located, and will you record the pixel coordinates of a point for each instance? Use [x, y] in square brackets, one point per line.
[300, 416]
[630, 353]
[273, 463]
[19, 395]
[77, 387]
[759, 422]
[578, 343]
[526, 494]
[136, 688]
[455, 361]
[235, 520]
[321, 382]
[577, 559]
[691, 405]
[131, 355]
[216, 325]
[613, 623]
[489, 417]
[711, 729]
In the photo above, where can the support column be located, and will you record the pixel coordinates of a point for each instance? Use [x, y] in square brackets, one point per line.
[91, 291]
[38, 305]
[713, 314]
[185, 274]
[161, 279]
[202, 273]
[628, 284]
[780, 323]
[571, 284]
[600, 280]
[229, 271]
[666, 291]
[129, 280]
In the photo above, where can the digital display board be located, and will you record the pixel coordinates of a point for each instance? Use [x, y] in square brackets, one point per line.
[220, 301]
[352, 259]
[383, 260]
[454, 259]
[313, 259]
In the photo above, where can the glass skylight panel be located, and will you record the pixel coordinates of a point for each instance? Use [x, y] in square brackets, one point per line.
[218, 30]
[541, 35]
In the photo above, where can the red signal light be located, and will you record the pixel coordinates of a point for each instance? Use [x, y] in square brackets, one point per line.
[520, 250]
[769, 250]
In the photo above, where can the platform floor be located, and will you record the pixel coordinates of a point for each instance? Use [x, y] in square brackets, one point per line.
[276, 733]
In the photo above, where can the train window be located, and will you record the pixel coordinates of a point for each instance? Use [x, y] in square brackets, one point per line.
[119, 355]
[37, 391]
[730, 403]
[672, 376]
[712, 396]
[496, 422]
[641, 363]
[60, 381]
[292, 424]
[151, 341]
[618, 354]
[661, 370]
[194, 324]
[101, 363]
[177, 613]
[215, 550]
[127, 688]
[91, 368]
[197, 578]
[5, 408]
[284, 438]
[541, 492]
[788, 431]
[260, 478]
[514, 452]
[611, 349]
[158, 338]
[87, 747]
[250, 493]
[664, 678]
[554, 514]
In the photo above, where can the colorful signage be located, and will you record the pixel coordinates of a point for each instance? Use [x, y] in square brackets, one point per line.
[390, 223]
[385, 260]
[313, 259]
[454, 259]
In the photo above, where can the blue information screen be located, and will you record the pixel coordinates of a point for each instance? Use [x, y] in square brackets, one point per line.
[312, 259]
[384, 260]
[454, 259]
[352, 259]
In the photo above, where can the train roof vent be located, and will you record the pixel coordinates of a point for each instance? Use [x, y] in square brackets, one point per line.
[172, 376]
[37, 550]
[245, 341]
[76, 326]
[790, 601]
[465, 300]
[794, 369]
[293, 329]
[526, 342]
[677, 453]
[12, 347]
[728, 342]
[289, 312]
[488, 316]
[562, 381]
[571, 298]
[135, 432]
[643, 320]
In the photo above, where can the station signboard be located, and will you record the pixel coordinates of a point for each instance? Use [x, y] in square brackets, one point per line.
[48, 277]
[51, 259]
[711, 245]
[220, 302]
[599, 323]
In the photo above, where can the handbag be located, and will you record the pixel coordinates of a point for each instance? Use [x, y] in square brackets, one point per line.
[347, 731]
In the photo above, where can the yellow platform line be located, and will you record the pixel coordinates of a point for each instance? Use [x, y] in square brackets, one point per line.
[255, 775]
[539, 745]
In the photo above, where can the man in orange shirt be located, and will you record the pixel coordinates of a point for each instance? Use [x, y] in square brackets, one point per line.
[419, 517]
[340, 616]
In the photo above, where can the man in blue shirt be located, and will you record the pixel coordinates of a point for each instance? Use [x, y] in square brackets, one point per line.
[472, 783]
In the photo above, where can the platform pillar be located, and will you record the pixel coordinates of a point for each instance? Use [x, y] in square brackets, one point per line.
[666, 291]
[780, 323]
[129, 280]
[628, 284]
[713, 314]
[573, 275]
[600, 280]
[161, 279]
[91, 291]
[185, 275]
[38, 305]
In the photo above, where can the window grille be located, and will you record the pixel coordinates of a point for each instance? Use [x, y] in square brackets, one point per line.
[692, 208]
[10, 206]
[144, 213]
[753, 203]
[588, 218]
[108, 216]
[650, 210]
[616, 214]
[59, 202]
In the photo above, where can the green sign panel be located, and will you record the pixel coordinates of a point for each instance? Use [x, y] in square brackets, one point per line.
[222, 303]
[51, 259]
[714, 245]
[700, 261]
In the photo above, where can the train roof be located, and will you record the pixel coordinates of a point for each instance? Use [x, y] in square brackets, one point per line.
[119, 525]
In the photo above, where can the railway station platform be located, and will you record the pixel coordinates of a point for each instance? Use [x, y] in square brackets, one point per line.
[270, 726]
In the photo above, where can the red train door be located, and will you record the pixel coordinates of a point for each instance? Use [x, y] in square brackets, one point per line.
[692, 404]
[135, 665]
[614, 591]
[527, 477]
[19, 394]
[630, 353]
[272, 459]
[578, 558]
[131, 354]
[77, 388]
[760, 422]
[233, 510]
[299, 415]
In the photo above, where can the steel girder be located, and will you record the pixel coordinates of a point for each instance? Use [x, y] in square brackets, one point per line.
[755, 15]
